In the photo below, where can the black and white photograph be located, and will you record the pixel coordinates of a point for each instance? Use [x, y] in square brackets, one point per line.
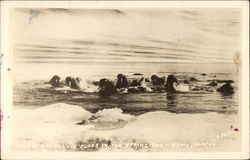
[125, 79]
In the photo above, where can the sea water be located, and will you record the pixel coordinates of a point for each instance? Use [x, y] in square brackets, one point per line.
[56, 119]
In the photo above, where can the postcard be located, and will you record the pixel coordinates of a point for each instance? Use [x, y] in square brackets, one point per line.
[124, 80]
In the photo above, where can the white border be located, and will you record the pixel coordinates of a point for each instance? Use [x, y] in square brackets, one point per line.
[6, 92]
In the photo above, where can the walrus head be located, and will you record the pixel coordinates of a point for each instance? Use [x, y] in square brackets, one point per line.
[153, 78]
[171, 79]
[55, 81]
[103, 83]
[78, 79]
[68, 81]
[122, 81]
[120, 76]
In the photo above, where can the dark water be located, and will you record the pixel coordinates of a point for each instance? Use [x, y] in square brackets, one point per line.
[35, 93]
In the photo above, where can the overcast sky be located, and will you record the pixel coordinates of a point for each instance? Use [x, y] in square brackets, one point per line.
[153, 35]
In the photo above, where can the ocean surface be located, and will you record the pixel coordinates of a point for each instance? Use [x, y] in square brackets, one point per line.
[63, 119]
[35, 92]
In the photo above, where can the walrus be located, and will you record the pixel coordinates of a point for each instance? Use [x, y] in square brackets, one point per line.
[107, 87]
[169, 84]
[136, 82]
[68, 81]
[73, 83]
[192, 79]
[122, 81]
[213, 84]
[226, 89]
[55, 81]
[157, 81]
[139, 86]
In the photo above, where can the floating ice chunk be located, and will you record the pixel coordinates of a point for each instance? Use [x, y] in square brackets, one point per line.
[164, 127]
[112, 115]
[50, 125]
[181, 87]
[61, 112]
[55, 124]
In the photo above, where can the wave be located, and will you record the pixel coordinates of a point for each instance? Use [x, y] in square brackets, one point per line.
[111, 130]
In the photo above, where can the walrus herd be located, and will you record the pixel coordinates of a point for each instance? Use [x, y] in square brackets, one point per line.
[71, 82]
[108, 87]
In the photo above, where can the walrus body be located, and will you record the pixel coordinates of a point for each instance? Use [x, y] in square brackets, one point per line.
[122, 81]
[139, 86]
[169, 86]
[107, 87]
[226, 89]
[136, 82]
[73, 83]
[213, 84]
[157, 82]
